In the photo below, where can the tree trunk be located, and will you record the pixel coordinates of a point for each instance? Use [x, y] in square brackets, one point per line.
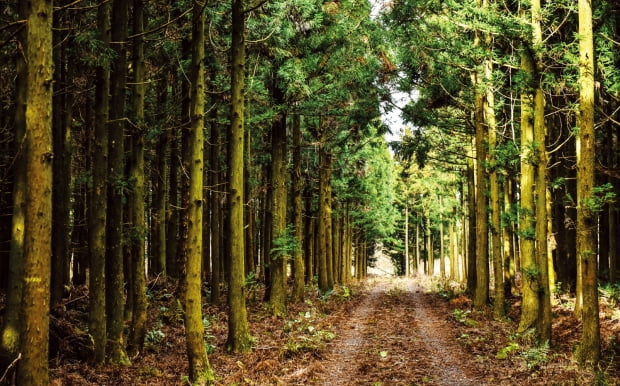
[172, 215]
[98, 198]
[530, 273]
[297, 183]
[496, 245]
[481, 293]
[159, 184]
[239, 339]
[115, 280]
[588, 351]
[61, 117]
[137, 220]
[217, 270]
[200, 371]
[407, 271]
[279, 249]
[9, 338]
[543, 325]
[324, 214]
[471, 226]
[33, 367]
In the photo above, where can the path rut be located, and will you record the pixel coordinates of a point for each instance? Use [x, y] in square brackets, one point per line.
[395, 337]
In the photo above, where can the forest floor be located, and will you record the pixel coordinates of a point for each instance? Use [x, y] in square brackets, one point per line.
[383, 331]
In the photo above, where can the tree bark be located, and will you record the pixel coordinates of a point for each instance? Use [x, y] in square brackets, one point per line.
[115, 279]
[137, 220]
[588, 350]
[98, 198]
[9, 338]
[33, 367]
[298, 221]
[279, 249]
[239, 338]
[200, 371]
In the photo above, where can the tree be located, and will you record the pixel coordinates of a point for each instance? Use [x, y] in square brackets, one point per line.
[136, 205]
[200, 371]
[98, 197]
[9, 338]
[33, 367]
[115, 278]
[239, 338]
[588, 351]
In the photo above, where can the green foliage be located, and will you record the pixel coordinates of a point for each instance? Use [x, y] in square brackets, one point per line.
[285, 244]
[209, 338]
[536, 356]
[303, 336]
[154, 337]
[610, 291]
[531, 272]
[505, 352]
[601, 195]
[462, 316]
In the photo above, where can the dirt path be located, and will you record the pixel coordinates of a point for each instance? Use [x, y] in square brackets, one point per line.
[396, 337]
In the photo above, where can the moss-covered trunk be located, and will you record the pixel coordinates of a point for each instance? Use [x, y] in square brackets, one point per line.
[588, 351]
[200, 371]
[527, 230]
[239, 338]
[279, 252]
[34, 321]
[481, 292]
[323, 215]
[9, 338]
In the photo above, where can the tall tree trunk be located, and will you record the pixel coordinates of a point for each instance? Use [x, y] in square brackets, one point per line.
[33, 367]
[217, 269]
[239, 338]
[508, 240]
[496, 245]
[61, 117]
[527, 230]
[407, 270]
[471, 226]
[9, 338]
[279, 253]
[430, 253]
[298, 221]
[200, 371]
[324, 214]
[137, 220]
[442, 257]
[309, 243]
[328, 220]
[588, 351]
[172, 215]
[543, 325]
[481, 293]
[454, 248]
[115, 279]
[98, 198]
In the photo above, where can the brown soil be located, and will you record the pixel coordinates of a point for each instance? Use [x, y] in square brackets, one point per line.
[381, 332]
